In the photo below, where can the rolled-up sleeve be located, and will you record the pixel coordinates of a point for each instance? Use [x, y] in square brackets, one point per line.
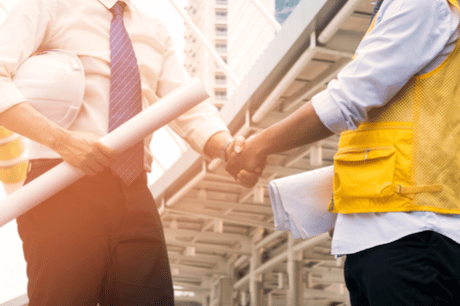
[21, 35]
[201, 122]
[407, 36]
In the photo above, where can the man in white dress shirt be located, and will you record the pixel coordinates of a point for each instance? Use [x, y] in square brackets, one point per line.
[99, 240]
[396, 172]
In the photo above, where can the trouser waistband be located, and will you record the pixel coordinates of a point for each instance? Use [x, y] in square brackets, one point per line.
[44, 162]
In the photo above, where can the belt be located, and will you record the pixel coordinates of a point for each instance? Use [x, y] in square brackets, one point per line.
[52, 162]
[44, 162]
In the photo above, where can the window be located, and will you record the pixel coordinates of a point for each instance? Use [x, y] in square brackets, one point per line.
[221, 2]
[221, 46]
[220, 78]
[221, 15]
[221, 30]
[220, 94]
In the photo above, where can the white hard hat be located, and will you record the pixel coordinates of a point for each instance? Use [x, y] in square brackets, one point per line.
[54, 83]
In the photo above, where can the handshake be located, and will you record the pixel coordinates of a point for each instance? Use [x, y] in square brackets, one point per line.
[244, 160]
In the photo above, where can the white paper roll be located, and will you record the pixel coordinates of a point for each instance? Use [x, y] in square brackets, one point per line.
[137, 128]
[300, 202]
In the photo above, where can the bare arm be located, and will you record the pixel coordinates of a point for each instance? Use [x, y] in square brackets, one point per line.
[81, 150]
[300, 128]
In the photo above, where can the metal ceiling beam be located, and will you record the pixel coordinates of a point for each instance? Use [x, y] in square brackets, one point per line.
[284, 171]
[309, 294]
[217, 216]
[244, 207]
[310, 88]
[209, 247]
[187, 286]
[282, 257]
[198, 270]
[198, 258]
[240, 240]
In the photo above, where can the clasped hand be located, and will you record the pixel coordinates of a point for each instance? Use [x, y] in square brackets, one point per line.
[85, 152]
[244, 162]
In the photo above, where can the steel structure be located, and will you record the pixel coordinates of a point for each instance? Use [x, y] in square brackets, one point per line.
[220, 236]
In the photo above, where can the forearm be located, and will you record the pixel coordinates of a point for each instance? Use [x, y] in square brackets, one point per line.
[213, 147]
[300, 128]
[79, 149]
[25, 120]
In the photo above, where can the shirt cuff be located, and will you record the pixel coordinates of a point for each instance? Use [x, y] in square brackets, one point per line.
[200, 136]
[329, 113]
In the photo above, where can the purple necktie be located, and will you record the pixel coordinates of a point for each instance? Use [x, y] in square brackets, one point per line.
[125, 93]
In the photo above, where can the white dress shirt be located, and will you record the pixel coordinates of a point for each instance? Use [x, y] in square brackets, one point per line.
[410, 37]
[83, 27]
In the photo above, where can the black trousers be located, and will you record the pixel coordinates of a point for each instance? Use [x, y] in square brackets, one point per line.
[97, 241]
[420, 269]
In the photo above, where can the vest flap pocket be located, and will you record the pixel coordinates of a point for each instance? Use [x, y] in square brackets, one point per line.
[364, 171]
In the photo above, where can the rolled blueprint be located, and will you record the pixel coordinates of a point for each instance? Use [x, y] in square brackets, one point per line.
[300, 202]
[132, 131]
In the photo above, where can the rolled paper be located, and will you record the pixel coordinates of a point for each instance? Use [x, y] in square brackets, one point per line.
[300, 202]
[132, 131]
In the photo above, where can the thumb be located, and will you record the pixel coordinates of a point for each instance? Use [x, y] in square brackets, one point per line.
[109, 152]
[239, 143]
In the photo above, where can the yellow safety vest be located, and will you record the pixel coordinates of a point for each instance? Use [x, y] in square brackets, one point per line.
[406, 156]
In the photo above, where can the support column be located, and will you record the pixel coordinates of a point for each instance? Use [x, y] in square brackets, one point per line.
[221, 292]
[244, 298]
[270, 299]
[205, 300]
[255, 281]
[295, 272]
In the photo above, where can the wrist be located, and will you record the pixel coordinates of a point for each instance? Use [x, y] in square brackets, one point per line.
[261, 150]
[58, 139]
[224, 150]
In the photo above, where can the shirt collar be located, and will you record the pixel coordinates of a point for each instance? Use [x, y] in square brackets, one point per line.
[110, 3]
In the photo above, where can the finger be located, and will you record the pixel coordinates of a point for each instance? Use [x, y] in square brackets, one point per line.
[233, 165]
[233, 171]
[261, 167]
[246, 184]
[110, 153]
[102, 160]
[88, 170]
[247, 176]
[239, 143]
[248, 179]
[81, 164]
[94, 167]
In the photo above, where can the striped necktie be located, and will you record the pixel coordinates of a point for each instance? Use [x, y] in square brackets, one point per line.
[125, 93]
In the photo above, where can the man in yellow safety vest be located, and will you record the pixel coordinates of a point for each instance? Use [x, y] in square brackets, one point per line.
[397, 169]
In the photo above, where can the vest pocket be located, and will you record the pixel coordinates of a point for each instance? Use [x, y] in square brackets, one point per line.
[364, 171]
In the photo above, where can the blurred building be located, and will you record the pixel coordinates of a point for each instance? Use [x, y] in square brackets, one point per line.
[238, 31]
[211, 18]
[284, 8]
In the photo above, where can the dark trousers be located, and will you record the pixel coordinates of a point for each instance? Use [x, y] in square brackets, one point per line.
[420, 269]
[97, 241]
